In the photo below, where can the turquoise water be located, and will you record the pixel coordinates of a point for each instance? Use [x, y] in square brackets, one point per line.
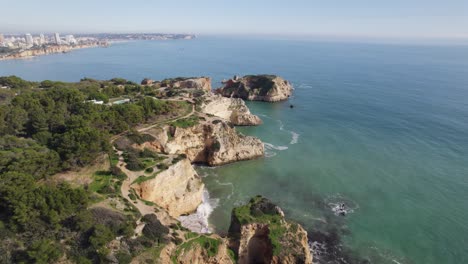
[380, 128]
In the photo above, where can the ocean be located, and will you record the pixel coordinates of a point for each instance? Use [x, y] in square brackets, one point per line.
[381, 129]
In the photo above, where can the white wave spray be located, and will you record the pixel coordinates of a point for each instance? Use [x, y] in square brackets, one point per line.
[198, 221]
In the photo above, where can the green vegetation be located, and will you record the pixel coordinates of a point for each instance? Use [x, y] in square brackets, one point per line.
[138, 160]
[143, 178]
[261, 210]
[154, 230]
[191, 235]
[211, 246]
[186, 122]
[102, 182]
[49, 127]
[15, 82]
[113, 158]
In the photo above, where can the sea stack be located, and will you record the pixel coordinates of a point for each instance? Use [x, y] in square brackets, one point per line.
[259, 233]
[268, 88]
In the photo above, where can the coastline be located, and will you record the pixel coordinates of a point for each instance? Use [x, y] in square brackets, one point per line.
[31, 53]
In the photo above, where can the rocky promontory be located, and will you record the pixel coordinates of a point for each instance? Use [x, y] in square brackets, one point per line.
[211, 141]
[260, 233]
[269, 88]
[198, 91]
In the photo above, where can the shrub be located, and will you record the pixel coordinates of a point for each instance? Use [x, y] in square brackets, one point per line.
[154, 229]
[123, 257]
[100, 236]
[43, 252]
[118, 173]
[162, 166]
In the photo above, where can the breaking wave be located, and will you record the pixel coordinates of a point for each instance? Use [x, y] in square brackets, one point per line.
[341, 205]
[198, 221]
[271, 146]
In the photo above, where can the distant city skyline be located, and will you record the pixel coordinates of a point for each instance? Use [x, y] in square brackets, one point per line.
[354, 19]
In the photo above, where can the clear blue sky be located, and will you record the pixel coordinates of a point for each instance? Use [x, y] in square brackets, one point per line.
[371, 18]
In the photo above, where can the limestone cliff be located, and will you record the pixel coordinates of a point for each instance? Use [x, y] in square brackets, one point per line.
[230, 109]
[260, 233]
[268, 88]
[212, 142]
[178, 190]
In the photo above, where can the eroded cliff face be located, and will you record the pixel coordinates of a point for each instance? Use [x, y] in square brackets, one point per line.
[269, 88]
[212, 143]
[178, 190]
[260, 233]
[230, 109]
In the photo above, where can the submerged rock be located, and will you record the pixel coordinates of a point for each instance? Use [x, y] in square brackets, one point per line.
[269, 88]
[260, 233]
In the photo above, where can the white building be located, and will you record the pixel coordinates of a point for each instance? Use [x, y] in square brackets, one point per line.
[41, 39]
[2, 38]
[29, 40]
[57, 38]
[70, 39]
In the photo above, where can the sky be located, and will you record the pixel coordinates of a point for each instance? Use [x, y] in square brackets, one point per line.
[340, 18]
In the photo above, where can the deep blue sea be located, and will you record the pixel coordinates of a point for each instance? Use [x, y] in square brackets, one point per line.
[382, 129]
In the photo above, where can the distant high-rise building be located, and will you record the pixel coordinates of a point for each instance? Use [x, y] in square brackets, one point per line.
[29, 39]
[41, 39]
[57, 38]
[2, 38]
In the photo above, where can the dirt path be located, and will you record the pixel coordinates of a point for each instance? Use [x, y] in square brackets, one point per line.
[165, 121]
[125, 190]
[132, 176]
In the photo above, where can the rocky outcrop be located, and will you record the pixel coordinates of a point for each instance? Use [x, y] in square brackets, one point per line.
[269, 88]
[260, 233]
[213, 143]
[233, 110]
[200, 83]
[147, 81]
[178, 190]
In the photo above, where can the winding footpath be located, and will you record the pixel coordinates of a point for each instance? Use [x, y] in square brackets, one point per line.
[125, 190]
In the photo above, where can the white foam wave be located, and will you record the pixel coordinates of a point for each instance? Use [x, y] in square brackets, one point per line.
[341, 205]
[294, 135]
[271, 146]
[227, 184]
[265, 116]
[304, 85]
[198, 221]
[294, 138]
